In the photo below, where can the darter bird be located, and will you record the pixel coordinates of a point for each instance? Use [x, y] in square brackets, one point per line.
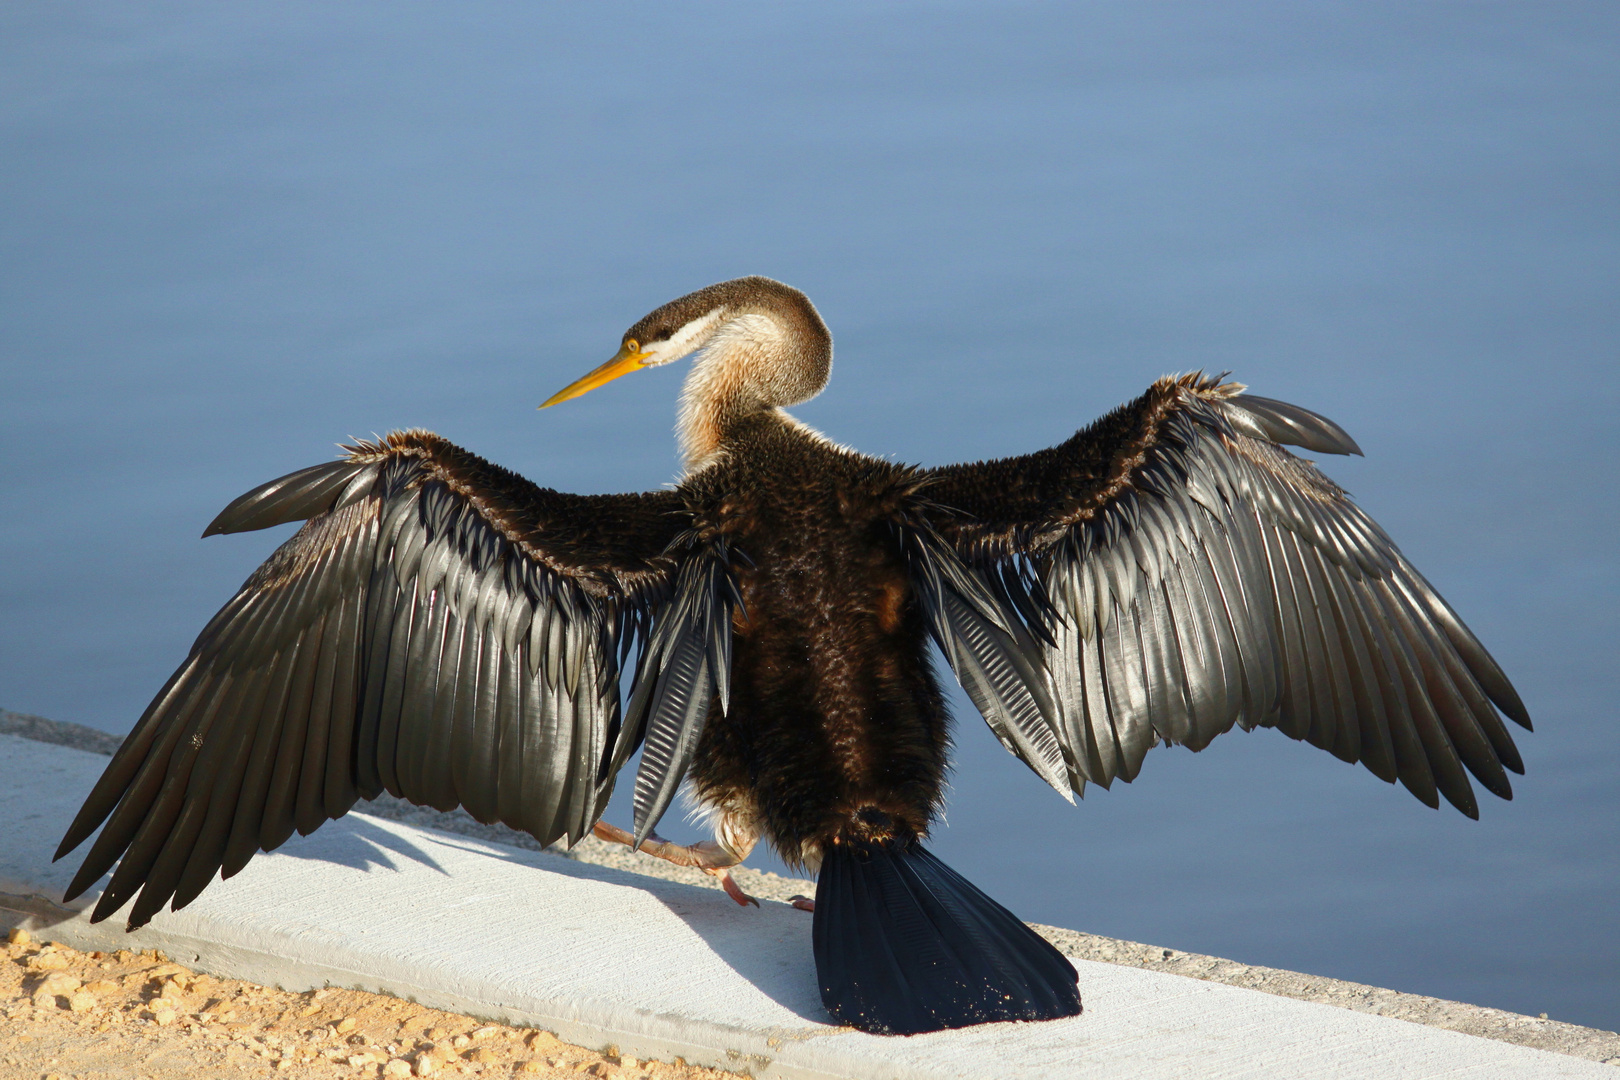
[449, 632]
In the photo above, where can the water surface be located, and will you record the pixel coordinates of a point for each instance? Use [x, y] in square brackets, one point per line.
[232, 237]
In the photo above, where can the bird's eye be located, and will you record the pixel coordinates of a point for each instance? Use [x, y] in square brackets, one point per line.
[631, 345]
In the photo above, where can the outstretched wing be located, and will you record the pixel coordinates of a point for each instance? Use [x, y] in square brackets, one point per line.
[441, 629]
[1184, 572]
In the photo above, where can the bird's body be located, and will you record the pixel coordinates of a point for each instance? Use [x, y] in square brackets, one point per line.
[452, 633]
[835, 709]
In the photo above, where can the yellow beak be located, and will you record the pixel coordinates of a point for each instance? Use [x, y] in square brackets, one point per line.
[624, 362]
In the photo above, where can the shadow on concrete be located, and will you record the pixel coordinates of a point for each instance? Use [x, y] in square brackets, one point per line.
[362, 845]
[769, 947]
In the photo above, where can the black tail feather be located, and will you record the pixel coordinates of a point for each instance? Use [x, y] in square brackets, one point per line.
[904, 944]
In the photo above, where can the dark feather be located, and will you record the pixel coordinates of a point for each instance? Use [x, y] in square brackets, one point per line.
[135, 800]
[266, 736]
[294, 497]
[1294, 426]
[996, 660]
[126, 762]
[676, 682]
[1210, 577]
[281, 799]
[337, 637]
[355, 659]
[904, 945]
[340, 790]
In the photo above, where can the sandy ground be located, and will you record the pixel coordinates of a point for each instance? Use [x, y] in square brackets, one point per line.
[69, 1015]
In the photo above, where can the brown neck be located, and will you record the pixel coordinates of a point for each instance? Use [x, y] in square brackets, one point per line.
[756, 361]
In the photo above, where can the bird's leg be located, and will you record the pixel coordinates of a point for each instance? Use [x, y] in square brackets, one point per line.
[713, 858]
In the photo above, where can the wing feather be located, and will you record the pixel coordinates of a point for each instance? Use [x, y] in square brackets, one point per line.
[281, 801]
[438, 628]
[265, 734]
[337, 637]
[678, 678]
[992, 653]
[1193, 574]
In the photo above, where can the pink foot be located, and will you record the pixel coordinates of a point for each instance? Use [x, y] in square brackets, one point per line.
[733, 890]
[708, 856]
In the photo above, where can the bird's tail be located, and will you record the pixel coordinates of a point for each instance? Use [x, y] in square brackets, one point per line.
[904, 944]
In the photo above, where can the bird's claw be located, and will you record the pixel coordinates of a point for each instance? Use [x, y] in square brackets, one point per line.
[708, 856]
[803, 903]
[729, 883]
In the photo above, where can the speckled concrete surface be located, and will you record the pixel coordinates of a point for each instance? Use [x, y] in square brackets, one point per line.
[1566, 1039]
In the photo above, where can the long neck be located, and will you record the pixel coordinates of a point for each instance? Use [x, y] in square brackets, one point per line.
[754, 362]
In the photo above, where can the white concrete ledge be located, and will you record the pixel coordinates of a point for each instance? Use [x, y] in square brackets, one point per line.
[660, 968]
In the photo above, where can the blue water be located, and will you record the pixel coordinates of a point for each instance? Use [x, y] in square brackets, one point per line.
[232, 236]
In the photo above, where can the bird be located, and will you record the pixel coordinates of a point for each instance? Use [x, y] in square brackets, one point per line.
[447, 631]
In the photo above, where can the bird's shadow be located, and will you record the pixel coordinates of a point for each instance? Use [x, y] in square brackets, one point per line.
[767, 946]
[368, 848]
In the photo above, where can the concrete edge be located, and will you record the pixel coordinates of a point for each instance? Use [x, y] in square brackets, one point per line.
[1537, 1033]
[645, 1035]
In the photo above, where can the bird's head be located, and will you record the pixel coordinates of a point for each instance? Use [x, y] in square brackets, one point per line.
[763, 343]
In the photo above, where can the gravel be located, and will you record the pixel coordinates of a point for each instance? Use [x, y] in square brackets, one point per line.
[68, 1014]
